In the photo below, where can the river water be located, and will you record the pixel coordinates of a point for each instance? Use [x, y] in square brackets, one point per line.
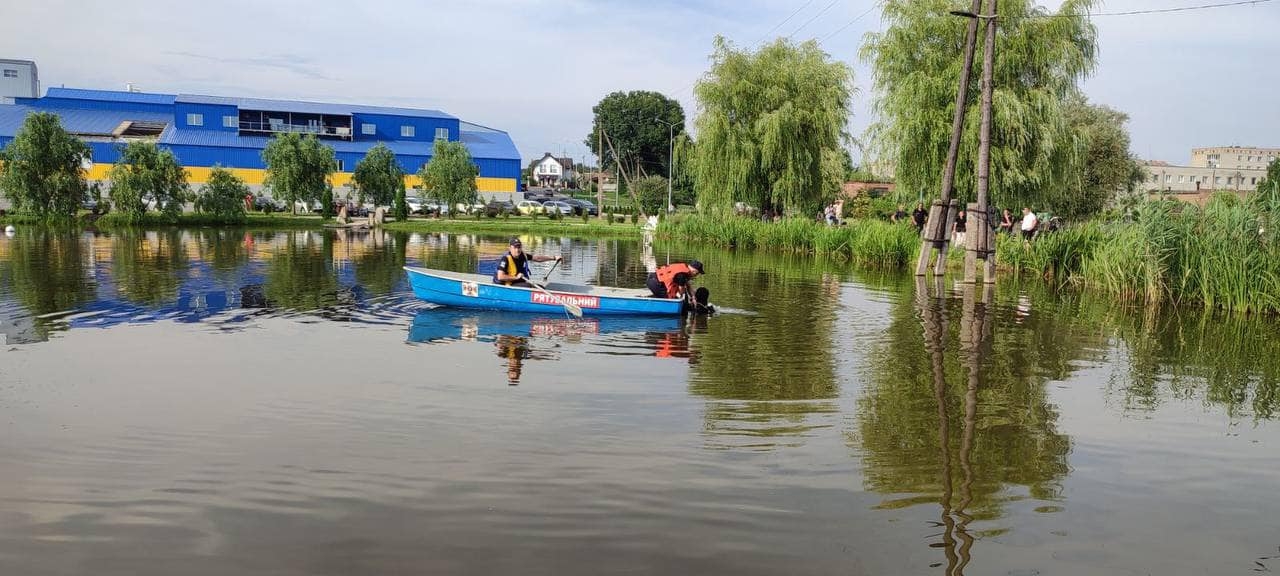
[230, 402]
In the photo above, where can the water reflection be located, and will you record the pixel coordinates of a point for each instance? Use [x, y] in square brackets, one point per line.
[955, 413]
[519, 338]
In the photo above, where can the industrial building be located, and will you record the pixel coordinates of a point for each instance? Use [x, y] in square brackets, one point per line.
[207, 131]
[18, 79]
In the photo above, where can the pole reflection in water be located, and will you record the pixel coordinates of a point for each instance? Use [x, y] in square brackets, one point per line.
[975, 337]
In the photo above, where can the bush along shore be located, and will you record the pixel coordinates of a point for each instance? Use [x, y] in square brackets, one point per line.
[1225, 255]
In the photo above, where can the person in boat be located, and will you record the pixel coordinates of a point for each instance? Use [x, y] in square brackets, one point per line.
[672, 280]
[513, 268]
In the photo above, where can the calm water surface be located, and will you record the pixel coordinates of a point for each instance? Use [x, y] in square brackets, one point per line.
[231, 402]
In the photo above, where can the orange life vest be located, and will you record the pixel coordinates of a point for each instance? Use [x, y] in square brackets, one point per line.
[667, 276]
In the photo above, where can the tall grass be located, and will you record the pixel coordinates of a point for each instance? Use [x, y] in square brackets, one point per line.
[1221, 256]
[871, 243]
[1215, 256]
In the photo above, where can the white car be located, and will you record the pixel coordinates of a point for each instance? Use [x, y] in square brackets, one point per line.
[564, 208]
[464, 208]
[528, 207]
[414, 204]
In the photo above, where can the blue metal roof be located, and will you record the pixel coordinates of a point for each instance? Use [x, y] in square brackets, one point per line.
[109, 95]
[308, 107]
[77, 121]
[491, 144]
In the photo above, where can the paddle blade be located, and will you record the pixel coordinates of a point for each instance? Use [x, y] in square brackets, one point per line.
[572, 309]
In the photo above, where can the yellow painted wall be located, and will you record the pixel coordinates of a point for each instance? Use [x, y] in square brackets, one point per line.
[256, 176]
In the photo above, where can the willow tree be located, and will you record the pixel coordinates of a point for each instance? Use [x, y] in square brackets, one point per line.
[765, 120]
[41, 169]
[1040, 57]
[378, 176]
[298, 168]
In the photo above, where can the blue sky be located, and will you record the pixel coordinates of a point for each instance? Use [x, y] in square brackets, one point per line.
[535, 67]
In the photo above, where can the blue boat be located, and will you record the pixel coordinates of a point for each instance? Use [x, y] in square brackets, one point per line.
[480, 292]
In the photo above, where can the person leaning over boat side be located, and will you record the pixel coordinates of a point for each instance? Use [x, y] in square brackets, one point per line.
[513, 268]
[672, 280]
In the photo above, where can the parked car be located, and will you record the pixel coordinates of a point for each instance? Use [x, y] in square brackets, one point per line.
[553, 205]
[414, 204]
[472, 208]
[581, 206]
[434, 207]
[528, 207]
[498, 208]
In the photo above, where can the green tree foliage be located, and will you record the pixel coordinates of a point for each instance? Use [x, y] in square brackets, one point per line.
[1107, 166]
[651, 194]
[378, 176]
[450, 176]
[41, 169]
[641, 142]
[223, 195]
[401, 206]
[768, 117]
[147, 172]
[298, 168]
[917, 62]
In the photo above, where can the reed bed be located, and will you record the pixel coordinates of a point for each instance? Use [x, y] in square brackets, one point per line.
[1220, 256]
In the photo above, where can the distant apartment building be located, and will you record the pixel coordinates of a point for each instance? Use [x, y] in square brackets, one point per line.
[1244, 157]
[18, 79]
[1231, 168]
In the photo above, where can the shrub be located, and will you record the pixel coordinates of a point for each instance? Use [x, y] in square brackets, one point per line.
[222, 196]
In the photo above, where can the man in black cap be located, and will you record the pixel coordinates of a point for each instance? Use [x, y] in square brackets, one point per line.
[672, 280]
[513, 268]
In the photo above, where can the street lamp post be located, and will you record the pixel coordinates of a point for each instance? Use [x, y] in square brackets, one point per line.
[671, 160]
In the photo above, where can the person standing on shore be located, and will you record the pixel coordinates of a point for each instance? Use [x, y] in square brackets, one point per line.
[918, 216]
[1006, 221]
[1029, 224]
[961, 224]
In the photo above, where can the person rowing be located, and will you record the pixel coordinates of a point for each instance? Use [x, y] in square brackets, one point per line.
[513, 268]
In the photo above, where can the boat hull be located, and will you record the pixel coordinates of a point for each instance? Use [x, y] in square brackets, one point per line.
[476, 292]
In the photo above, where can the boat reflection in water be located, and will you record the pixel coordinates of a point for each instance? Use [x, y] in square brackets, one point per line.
[519, 337]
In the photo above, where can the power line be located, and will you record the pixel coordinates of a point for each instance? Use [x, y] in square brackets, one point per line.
[1157, 10]
[851, 22]
[815, 17]
[784, 21]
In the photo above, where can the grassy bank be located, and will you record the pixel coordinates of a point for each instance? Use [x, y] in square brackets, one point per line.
[867, 242]
[522, 225]
[594, 228]
[1220, 256]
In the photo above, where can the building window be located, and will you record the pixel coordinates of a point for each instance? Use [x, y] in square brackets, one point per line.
[1181, 179]
[230, 122]
[1168, 178]
[195, 119]
[1253, 181]
[10, 73]
[442, 133]
[406, 131]
[340, 165]
[1155, 179]
[1239, 157]
[369, 129]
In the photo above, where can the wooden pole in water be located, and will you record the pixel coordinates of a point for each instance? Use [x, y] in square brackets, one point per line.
[939, 222]
[979, 247]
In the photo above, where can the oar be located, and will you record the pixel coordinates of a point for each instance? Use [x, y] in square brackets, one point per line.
[549, 271]
[568, 306]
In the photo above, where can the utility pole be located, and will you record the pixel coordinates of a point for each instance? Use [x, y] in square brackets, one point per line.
[982, 246]
[671, 157]
[942, 213]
